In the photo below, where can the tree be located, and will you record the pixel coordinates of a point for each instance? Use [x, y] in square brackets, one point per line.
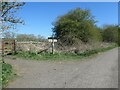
[30, 37]
[9, 34]
[76, 25]
[7, 11]
[26, 37]
[118, 35]
[110, 33]
[8, 20]
[41, 38]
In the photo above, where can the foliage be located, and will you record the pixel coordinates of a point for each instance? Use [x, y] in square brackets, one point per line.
[25, 37]
[97, 37]
[8, 21]
[76, 25]
[1, 74]
[110, 33]
[119, 36]
[63, 55]
[29, 37]
[9, 34]
[7, 73]
[8, 18]
[95, 51]
[41, 38]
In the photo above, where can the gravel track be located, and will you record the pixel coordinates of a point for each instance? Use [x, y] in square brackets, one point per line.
[100, 71]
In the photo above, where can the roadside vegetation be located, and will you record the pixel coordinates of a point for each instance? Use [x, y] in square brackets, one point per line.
[0, 75]
[78, 36]
[62, 55]
[79, 25]
[7, 74]
[9, 21]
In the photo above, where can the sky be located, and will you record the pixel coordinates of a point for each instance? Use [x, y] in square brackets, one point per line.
[39, 16]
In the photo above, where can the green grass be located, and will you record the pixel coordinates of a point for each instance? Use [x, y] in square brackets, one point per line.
[7, 74]
[96, 51]
[7, 71]
[0, 75]
[61, 56]
[47, 56]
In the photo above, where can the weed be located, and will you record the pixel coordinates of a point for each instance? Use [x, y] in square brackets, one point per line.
[7, 73]
[61, 56]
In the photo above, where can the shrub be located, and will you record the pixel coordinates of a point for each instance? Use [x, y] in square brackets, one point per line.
[76, 25]
[110, 33]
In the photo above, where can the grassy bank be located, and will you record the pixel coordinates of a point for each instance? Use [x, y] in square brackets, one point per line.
[61, 56]
[0, 75]
[6, 74]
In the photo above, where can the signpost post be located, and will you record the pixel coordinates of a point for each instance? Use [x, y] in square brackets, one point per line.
[52, 40]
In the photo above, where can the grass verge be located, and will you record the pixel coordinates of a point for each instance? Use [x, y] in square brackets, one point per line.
[0, 76]
[6, 75]
[61, 56]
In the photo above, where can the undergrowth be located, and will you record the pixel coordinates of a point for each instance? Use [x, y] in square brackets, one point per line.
[61, 56]
[6, 74]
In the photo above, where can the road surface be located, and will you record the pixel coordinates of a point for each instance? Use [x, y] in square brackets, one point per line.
[100, 71]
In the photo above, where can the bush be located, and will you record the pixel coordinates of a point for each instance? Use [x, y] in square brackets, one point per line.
[110, 34]
[76, 25]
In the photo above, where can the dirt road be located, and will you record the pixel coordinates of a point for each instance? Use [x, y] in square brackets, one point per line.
[100, 71]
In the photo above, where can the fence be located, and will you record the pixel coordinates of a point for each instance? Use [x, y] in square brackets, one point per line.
[11, 46]
[33, 46]
[7, 46]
